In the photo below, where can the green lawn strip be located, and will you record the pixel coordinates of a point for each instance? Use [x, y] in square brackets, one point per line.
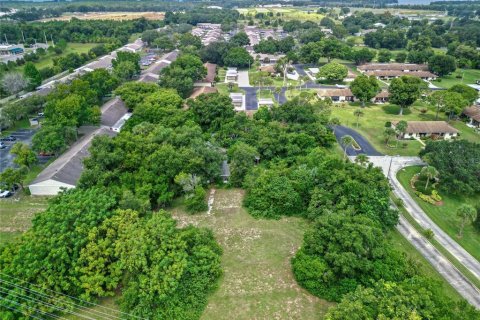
[444, 216]
[471, 277]
[21, 124]
[258, 282]
[466, 132]
[402, 244]
[105, 308]
[223, 88]
[465, 76]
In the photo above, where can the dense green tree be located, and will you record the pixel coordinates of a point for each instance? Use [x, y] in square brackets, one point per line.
[467, 214]
[125, 70]
[459, 173]
[405, 90]
[384, 55]
[441, 64]
[31, 73]
[132, 93]
[365, 88]
[333, 71]
[415, 298]
[238, 57]
[11, 177]
[24, 156]
[182, 73]
[468, 93]
[242, 158]
[211, 110]
[124, 56]
[362, 56]
[240, 39]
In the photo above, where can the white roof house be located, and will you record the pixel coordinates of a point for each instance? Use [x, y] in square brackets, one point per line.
[238, 100]
[231, 75]
[267, 102]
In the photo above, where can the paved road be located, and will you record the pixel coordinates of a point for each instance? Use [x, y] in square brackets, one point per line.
[440, 263]
[365, 146]
[251, 101]
[391, 166]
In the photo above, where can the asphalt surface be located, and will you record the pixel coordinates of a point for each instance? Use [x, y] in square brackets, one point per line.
[365, 146]
[24, 136]
[390, 166]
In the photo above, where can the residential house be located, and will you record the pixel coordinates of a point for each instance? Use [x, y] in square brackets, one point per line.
[392, 74]
[336, 95]
[209, 80]
[238, 100]
[473, 115]
[231, 75]
[265, 102]
[381, 97]
[425, 129]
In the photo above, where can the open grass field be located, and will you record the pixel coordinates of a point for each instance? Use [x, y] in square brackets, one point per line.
[109, 16]
[47, 59]
[16, 215]
[460, 76]
[286, 13]
[258, 282]
[372, 124]
[444, 216]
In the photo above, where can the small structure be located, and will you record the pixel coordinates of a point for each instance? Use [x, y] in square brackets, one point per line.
[232, 75]
[225, 171]
[382, 97]
[265, 102]
[268, 68]
[238, 100]
[405, 67]
[267, 58]
[473, 115]
[350, 76]
[392, 74]
[11, 50]
[425, 129]
[336, 95]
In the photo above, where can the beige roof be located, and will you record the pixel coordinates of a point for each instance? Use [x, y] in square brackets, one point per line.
[383, 94]
[399, 73]
[393, 66]
[428, 127]
[335, 93]
[268, 68]
[211, 72]
[473, 112]
[201, 90]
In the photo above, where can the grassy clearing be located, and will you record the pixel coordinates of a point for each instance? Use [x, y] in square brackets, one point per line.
[119, 16]
[17, 213]
[302, 14]
[444, 216]
[460, 76]
[258, 282]
[372, 124]
[106, 308]
[47, 59]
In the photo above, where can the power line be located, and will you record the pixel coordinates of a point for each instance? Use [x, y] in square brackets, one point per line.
[88, 310]
[10, 292]
[16, 310]
[30, 307]
[74, 298]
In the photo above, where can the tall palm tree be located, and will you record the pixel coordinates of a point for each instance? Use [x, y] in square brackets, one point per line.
[466, 213]
[361, 159]
[277, 91]
[358, 113]
[429, 172]
[347, 141]
[401, 128]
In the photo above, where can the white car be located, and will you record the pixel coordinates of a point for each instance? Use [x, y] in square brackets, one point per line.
[5, 193]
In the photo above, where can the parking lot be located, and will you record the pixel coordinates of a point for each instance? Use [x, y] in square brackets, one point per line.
[24, 136]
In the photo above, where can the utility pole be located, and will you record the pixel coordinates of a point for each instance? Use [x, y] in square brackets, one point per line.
[45, 36]
[23, 37]
[6, 40]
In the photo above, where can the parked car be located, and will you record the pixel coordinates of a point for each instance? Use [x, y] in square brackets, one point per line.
[45, 154]
[2, 145]
[5, 193]
[41, 114]
[9, 138]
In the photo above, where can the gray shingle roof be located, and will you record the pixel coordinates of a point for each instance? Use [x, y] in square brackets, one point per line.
[112, 111]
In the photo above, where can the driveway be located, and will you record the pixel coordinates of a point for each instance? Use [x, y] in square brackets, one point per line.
[243, 80]
[365, 146]
[251, 102]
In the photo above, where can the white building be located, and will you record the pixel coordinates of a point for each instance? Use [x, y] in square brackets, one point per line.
[231, 75]
[425, 129]
[238, 100]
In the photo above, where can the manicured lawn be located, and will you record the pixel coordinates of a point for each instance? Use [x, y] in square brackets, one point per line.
[444, 216]
[469, 77]
[372, 124]
[265, 94]
[258, 282]
[16, 215]
[256, 77]
[290, 94]
[426, 268]
[223, 88]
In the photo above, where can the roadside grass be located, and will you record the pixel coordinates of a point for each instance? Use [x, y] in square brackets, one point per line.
[292, 93]
[223, 88]
[444, 216]
[372, 124]
[264, 93]
[425, 267]
[47, 59]
[255, 79]
[21, 124]
[16, 215]
[258, 282]
[470, 76]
